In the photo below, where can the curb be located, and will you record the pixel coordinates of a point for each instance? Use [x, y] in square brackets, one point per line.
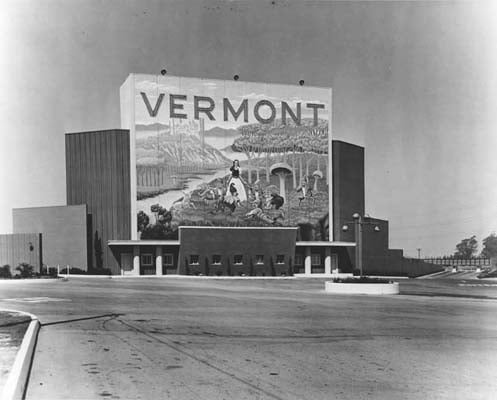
[362, 288]
[15, 281]
[211, 277]
[17, 381]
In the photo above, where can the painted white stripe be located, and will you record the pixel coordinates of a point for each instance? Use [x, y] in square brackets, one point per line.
[35, 299]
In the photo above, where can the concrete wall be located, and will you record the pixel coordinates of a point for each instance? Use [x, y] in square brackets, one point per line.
[20, 248]
[228, 242]
[64, 233]
[393, 263]
[98, 175]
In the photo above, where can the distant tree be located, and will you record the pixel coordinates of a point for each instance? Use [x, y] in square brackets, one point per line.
[25, 270]
[97, 243]
[466, 248]
[489, 246]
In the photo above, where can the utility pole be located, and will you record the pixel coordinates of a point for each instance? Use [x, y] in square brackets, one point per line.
[419, 253]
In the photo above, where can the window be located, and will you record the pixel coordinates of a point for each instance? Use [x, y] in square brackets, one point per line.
[259, 259]
[315, 259]
[194, 259]
[147, 259]
[299, 259]
[238, 259]
[216, 259]
[280, 259]
[168, 259]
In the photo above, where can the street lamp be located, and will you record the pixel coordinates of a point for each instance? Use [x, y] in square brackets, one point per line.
[358, 222]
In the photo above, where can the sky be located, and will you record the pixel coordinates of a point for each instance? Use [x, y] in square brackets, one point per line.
[413, 82]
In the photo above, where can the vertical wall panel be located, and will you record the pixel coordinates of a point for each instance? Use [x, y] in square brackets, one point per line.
[64, 232]
[16, 248]
[98, 175]
[348, 187]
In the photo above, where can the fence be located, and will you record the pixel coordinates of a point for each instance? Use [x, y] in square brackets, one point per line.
[459, 262]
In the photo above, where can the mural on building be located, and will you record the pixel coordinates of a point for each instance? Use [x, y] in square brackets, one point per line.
[226, 153]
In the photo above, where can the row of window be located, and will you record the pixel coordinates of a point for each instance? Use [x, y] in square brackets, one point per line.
[237, 259]
[147, 259]
[316, 259]
[168, 259]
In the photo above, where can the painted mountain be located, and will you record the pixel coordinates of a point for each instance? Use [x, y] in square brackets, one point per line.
[222, 133]
[157, 145]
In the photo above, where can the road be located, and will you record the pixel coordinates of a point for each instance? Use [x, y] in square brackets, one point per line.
[189, 338]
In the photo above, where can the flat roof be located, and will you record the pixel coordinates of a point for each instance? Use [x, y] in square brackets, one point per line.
[239, 227]
[143, 242]
[326, 244]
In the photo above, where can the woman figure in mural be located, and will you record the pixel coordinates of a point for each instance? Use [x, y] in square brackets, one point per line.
[236, 183]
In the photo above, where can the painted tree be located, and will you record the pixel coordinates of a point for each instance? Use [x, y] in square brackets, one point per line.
[143, 221]
[289, 143]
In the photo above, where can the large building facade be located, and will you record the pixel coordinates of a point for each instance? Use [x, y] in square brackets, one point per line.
[173, 247]
[209, 177]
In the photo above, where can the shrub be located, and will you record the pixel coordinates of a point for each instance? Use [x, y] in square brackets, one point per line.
[5, 272]
[97, 271]
[487, 274]
[25, 270]
[362, 279]
[73, 271]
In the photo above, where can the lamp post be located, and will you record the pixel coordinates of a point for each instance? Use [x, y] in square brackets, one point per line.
[358, 222]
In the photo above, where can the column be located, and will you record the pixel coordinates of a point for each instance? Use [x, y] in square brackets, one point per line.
[307, 261]
[158, 260]
[136, 260]
[327, 261]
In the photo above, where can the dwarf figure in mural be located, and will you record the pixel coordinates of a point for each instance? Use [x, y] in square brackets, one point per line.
[304, 188]
[231, 200]
[237, 182]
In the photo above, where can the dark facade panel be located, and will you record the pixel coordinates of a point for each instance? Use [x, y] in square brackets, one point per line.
[231, 243]
[64, 233]
[348, 187]
[21, 248]
[98, 175]
[348, 191]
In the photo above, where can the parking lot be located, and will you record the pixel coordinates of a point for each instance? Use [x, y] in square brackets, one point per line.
[194, 338]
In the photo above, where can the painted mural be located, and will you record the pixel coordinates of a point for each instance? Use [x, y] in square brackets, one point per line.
[226, 153]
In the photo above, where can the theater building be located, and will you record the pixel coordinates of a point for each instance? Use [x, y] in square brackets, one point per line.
[209, 177]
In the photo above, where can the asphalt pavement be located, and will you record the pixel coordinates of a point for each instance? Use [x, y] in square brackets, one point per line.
[194, 338]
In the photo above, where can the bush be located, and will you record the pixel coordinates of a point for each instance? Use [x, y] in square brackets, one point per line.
[73, 271]
[25, 270]
[362, 279]
[487, 274]
[5, 272]
[98, 271]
